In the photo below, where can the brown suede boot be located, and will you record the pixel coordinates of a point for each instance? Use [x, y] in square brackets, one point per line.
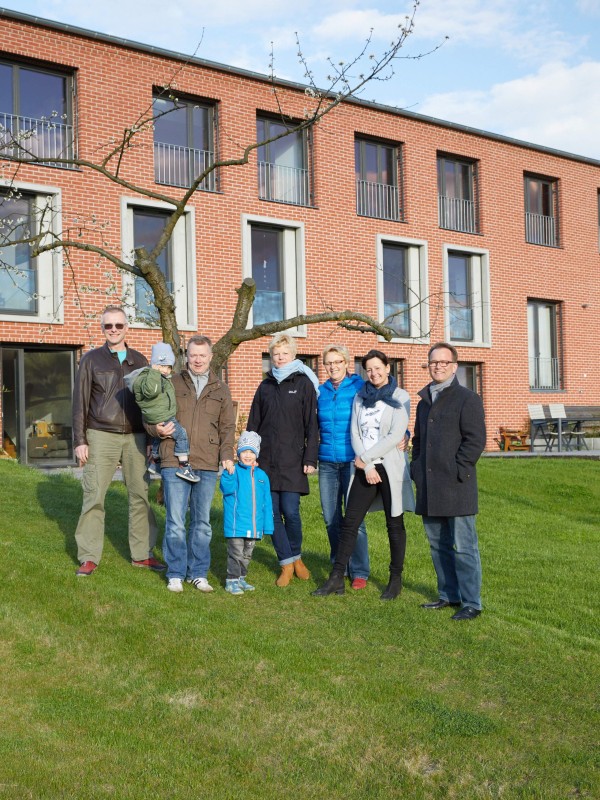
[301, 571]
[287, 573]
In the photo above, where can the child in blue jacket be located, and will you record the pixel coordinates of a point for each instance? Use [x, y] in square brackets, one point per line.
[247, 511]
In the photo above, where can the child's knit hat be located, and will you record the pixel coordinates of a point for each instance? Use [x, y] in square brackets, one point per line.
[249, 440]
[162, 354]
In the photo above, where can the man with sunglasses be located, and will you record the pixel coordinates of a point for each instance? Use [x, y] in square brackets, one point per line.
[448, 440]
[107, 431]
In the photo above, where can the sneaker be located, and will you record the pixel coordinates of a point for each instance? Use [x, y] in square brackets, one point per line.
[86, 568]
[153, 466]
[247, 587]
[232, 585]
[187, 474]
[359, 583]
[150, 563]
[175, 585]
[200, 583]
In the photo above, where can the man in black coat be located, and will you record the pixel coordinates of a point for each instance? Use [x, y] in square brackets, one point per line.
[448, 440]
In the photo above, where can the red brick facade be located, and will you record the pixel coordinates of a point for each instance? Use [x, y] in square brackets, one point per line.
[114, 84]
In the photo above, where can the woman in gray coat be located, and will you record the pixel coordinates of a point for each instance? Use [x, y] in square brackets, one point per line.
[379, 421]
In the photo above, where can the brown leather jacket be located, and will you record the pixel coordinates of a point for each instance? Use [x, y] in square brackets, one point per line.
[101, 401]
[209, 421]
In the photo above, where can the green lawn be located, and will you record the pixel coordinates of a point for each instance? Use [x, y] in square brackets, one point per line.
[116, 688]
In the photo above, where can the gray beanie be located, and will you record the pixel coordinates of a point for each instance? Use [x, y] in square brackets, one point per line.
[249, 440]
[162, 354]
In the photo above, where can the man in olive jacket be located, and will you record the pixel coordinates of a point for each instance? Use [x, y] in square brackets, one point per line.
[448, 440]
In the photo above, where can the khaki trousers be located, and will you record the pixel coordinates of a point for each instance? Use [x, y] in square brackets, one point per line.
[106, 451]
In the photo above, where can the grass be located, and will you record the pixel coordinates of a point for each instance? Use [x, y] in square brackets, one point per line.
[115, 688]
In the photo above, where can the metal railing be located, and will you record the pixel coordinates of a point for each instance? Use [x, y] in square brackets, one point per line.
[456, 214]
[378, 200]
[544, 373]
[283, 184]
[180, 166]
[27, 139]
[540, 229]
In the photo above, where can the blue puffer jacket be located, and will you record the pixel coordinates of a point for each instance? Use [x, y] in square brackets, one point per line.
[335, 413]
[247, 506]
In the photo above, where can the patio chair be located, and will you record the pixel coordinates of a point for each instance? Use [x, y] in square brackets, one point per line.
[540, 427]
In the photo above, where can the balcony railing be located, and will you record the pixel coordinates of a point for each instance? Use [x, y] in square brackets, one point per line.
[540, 229]
[456, 214]
[26, 138]
[544, 373]
[378, 200]
[180, 166]
[283, 184]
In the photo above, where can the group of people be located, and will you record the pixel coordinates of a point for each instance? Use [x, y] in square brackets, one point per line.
[354, 431]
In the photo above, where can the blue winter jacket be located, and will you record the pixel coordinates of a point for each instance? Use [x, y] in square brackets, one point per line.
[247, 506]
[335, 413]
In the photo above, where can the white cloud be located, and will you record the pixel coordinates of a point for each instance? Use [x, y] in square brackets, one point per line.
[559, 106]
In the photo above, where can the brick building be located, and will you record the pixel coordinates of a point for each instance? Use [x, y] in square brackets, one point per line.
[462, 235]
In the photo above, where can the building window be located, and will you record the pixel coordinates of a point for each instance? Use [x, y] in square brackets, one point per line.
[401, 274]
[183, 142]
[377, 185]
[456, 194]
[283, 163]
[35, 113]
[310, 361]
[541, 211]
[396, 370]
[543, 328]
[469, 375]
[273, 254]
[467, 296]
[143, 226]
[29, 287]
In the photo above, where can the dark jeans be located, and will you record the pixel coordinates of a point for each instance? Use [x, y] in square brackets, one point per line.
[287, 536]
[360, 498]
[182, 447]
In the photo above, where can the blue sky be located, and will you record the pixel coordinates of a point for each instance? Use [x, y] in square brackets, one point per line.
[524, 68]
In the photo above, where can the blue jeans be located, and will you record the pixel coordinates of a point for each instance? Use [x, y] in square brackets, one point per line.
[187, 556]
[287, 534]
[334, 480]
[182, 447]
[455, 556]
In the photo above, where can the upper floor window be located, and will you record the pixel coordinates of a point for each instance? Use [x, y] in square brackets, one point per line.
[456, 194]
[541, 211]
[543, 324]
[183, 142]
[273, 254]
[35, 113]
[29, 287]
[467, 302]
[377, 190]
[282, 163]
[401, 278]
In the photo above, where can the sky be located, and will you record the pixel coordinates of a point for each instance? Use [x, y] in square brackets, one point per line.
[528, 69]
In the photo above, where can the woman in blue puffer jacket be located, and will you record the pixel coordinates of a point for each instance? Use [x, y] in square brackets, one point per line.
[336, 456]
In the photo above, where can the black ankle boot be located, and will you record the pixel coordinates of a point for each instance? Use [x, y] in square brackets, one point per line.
[393, 589]
[333, 585]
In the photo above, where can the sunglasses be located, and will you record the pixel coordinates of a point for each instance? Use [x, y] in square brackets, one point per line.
[110, 325]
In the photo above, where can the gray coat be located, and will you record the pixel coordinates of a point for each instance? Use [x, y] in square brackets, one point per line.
[394, 422]
[448, 440]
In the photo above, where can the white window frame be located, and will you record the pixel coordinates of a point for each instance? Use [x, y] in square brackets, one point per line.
[480, 295]
[50, 264]
[416, 262]
[183, 254]
[294, 274]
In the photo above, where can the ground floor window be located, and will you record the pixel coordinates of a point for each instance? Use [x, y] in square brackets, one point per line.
[37, 390]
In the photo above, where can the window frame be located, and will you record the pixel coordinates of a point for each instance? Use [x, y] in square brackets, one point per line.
[479, 277]
[183, 260]
[556, 349]
[417, 266]
[534, 220]
[364, 204]
[470, 225]
[293, 268]
[477, 368]
[49, 265]
[267, 175]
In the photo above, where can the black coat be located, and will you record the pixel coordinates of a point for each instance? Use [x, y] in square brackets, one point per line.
[285, 416]
[448, 440]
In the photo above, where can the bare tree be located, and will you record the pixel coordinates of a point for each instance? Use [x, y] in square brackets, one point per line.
[346, 80]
